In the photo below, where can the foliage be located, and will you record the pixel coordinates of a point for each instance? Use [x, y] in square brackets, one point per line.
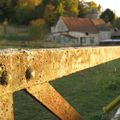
[18, 11]
[23, 16]
[24, 11]
[50, 14]
[60, 9]
[6, 10]
[55, 8]
[108, 15]
[38, 29]
[70, 7]
[116, 23]
[29, 3]
[85, 8]
[92, 5]
[82, 9]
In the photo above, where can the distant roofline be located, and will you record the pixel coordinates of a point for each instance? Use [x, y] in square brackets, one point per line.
[95, 30]
[100, 24]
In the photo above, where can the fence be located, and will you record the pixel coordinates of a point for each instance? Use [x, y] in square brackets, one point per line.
[32, 70]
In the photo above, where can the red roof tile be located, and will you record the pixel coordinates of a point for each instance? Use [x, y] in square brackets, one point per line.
[98, 21]
[101, 25]
[80, 24]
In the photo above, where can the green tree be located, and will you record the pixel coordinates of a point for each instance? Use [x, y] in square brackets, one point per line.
[6, 10]
[38, 29]
[92, 5]
[116, 23]
[23, 16]
[60, 9]
[29, 3]
[86, 7]
[70, 7]
[83, 9]
[108, 15]
[27, 10]
[50, 14]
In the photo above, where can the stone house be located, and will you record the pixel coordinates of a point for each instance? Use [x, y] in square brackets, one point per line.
[116, 34]
[105, 29]
[78, 31]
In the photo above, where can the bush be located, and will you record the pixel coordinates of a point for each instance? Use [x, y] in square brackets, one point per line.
[38, 29]
[23, 16]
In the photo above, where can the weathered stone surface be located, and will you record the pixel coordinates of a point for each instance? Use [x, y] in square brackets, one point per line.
[48, 96]
[6, 107]
[49, 64]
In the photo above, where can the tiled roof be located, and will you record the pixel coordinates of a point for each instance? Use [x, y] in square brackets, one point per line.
[109, 25]
[98, 21]
[80, 24]
[101, 25]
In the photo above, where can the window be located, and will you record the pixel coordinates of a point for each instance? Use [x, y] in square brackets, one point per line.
[83, 40]
[91, 40]
[87, 33]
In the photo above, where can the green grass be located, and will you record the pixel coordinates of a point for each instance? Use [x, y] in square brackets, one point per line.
[87, 91]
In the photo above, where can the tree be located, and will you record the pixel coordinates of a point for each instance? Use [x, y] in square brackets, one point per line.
[23, 16]
[108, 15]
[92, 5]
[60, 9]
[29, 3]
[83, 9]
[86, 7]
[27, 10]
[50, 14]
[38, 29]
[116, 23]
[70, 7]
[6, 10]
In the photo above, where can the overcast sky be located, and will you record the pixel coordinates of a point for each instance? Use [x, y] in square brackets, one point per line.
[112, 4]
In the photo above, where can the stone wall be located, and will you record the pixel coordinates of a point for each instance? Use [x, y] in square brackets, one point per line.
[48, 64]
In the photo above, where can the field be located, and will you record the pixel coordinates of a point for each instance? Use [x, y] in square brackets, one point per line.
[88, 91]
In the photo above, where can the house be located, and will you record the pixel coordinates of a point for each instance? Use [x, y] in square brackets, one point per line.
[115, 38]
[116, 34]
[79, 31]
[105, 29]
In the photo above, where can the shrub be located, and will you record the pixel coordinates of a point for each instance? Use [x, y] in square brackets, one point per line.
[38, 29]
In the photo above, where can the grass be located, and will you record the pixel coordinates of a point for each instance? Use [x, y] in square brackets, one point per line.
[25, 41]
[87, 91]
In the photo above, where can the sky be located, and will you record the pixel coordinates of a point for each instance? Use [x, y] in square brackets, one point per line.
[112, 4]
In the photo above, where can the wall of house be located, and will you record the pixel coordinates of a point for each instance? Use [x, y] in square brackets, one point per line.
[104, 35]
[64, 40]
[60, 26]
[86, 39]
